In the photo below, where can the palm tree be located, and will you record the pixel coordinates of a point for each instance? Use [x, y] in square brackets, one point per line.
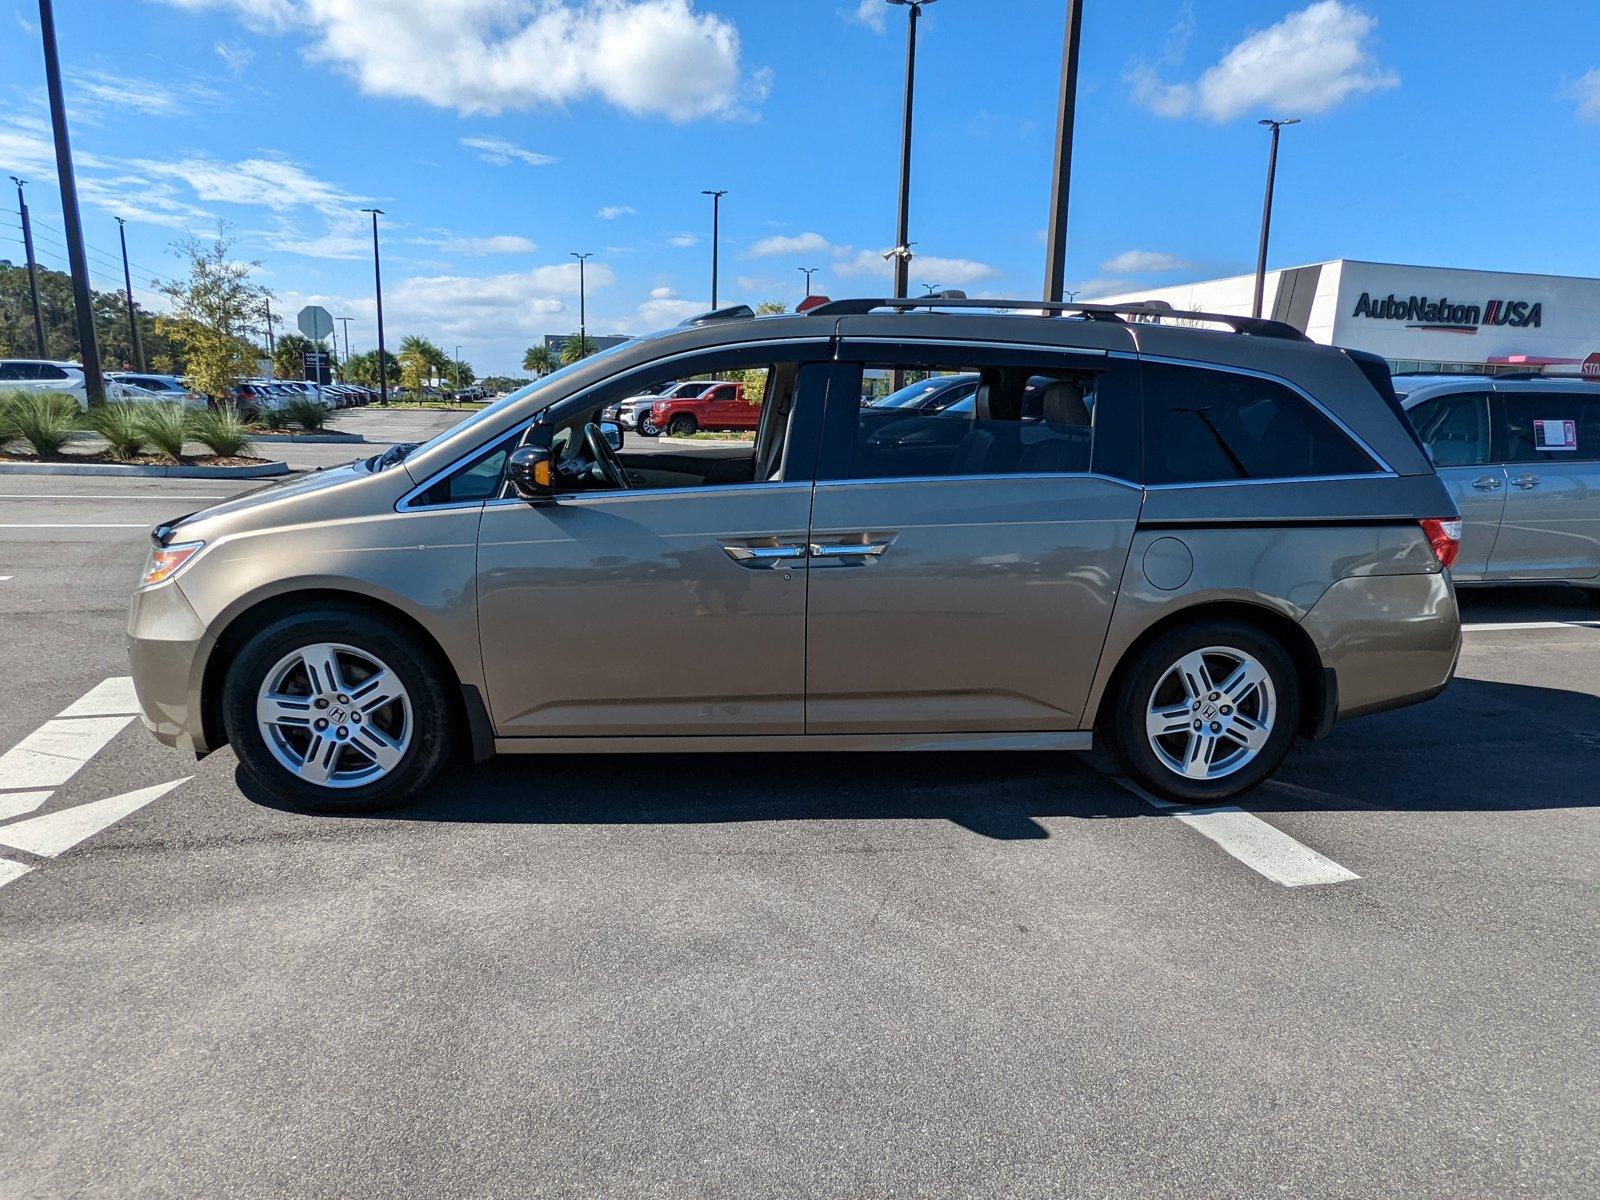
[418, 359]
[539, 361]
[575, 348]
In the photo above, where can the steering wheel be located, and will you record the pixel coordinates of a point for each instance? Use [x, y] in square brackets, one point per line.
[605, 457]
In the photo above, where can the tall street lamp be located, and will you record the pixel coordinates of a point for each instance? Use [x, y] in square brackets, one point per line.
[78, 260]
[583, 305]
[809, 272]
[33, 267]
[127, 283]
[716, 236]
[377, 284]
[902, 242]
[1055, 267]
[345, 321]
[1266, 209]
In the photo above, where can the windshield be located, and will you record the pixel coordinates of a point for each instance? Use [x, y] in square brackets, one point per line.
[494, 410]
[915, 395]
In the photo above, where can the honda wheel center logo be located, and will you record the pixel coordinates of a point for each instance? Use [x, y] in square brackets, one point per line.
[1419, 312]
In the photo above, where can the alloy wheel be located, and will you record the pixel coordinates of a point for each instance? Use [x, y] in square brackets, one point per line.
[1211, 713]
[334, 715]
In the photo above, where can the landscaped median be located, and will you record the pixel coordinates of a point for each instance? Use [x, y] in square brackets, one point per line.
[36, 429]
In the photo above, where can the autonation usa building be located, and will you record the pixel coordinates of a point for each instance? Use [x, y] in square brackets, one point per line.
[1419, 318]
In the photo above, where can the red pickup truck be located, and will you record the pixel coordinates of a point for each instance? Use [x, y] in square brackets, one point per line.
[720, 406]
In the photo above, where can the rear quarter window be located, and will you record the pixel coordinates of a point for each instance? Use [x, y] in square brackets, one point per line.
[1204, 425]
[1549, 426]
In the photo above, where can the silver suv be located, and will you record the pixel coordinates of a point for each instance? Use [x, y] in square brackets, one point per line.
[1522, 459]
[1197, 545]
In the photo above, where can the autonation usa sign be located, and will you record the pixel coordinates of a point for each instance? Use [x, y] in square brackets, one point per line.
[1419, 312]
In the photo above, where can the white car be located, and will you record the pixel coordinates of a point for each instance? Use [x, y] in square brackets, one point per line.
[157, 387]
[42, 375]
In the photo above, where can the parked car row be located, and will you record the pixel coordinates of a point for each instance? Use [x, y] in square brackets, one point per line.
[252, 397]
[255, 396]
[683, 408]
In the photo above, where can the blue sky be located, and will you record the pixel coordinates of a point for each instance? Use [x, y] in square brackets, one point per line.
[499, 135]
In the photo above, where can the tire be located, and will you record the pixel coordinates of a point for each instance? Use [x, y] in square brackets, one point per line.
[648, 428]
[416, 721]
[682, 425]
[1156, 679]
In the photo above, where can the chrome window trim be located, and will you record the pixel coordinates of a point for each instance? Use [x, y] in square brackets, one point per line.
[1338, 421]
[1216, 483]
[972, 344]
[891, 479]
[568, 499]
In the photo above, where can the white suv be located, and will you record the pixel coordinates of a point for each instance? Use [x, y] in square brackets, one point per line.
[42, 375]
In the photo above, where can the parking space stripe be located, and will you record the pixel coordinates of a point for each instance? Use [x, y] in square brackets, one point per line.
[57, 832]
[1504, 626]
[10, 871]
[53, 753]
[109, 698]
[58, 525]
[15, 804]
[1263, 848]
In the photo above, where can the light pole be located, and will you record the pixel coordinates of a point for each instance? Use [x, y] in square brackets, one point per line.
[902, 241]
[83, 298]
[1055, 266]
[1266, 209]
[377, 284]
[457, 380]
[127, 282]
[809, 272]
[272, 349]
[583, 305]
[33, 267]
[716, 236]
[345, 321]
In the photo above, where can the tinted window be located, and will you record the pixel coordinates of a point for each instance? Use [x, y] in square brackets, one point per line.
[1204, 425]
[473, 483]
[1550, 426]
[11, 371]
[1455, 429]
[51, 373]
[1014, 420]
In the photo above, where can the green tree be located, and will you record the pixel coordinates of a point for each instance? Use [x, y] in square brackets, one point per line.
[363, 368]
[287, 355]
[213, 312]
[575, 348]
[539, 361]
[420, 360]
[771, 308]
[502, 384]
[17, 338]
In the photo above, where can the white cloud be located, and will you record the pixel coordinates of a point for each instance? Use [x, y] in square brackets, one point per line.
[647, 57]
[871, 13]
[501, 153]
[946, 272]
[103, 89]
[479, 247]
[1309, 62]
[1138, 262]
[665, 307]
[612, 211]
[274, 182]
[1090, 289]
[1586, 92]
[803, 243]
[683, 241]
[235, 55]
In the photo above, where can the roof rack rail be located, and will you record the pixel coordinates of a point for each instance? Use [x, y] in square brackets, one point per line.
[1148, 313]
[734, 312]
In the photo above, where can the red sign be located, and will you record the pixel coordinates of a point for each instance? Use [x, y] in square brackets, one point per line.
[1591, 367]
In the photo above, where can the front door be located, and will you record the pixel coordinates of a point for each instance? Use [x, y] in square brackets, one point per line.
[963, 574]
[1550, 444]
[675, 606]
[1455, 428]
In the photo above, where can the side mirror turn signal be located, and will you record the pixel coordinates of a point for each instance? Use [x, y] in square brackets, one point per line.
[531, 470]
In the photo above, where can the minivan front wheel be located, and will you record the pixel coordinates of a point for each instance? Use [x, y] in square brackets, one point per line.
[1206, 712]
[333, 712]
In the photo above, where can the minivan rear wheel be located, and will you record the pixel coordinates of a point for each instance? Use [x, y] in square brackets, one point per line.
[333, 712]
[1206, 712]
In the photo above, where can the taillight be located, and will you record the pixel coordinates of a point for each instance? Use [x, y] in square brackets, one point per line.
[1444, 535]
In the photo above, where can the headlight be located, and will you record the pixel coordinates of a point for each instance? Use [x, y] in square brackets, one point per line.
[166, 561]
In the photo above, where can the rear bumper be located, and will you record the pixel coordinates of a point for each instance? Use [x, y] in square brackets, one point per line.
[167, 649]
[1392, 640]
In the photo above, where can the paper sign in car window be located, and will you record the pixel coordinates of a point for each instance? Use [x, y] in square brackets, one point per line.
[1555, 435]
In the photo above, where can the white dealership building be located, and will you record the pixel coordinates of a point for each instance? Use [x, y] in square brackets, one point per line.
[1419, 318]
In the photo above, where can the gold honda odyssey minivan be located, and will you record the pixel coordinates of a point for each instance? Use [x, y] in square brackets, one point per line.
[953, 527]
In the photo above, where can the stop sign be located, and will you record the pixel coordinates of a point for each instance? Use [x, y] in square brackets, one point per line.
[1591, 367]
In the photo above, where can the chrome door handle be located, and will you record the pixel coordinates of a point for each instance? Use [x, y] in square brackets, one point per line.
[1488, 483]
[848, 549]
[1524, 482]
[764, 554]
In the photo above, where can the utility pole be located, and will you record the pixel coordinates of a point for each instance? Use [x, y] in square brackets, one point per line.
[271, 348]
[377, 284]
[345, 321]
[127, 283]
[1055, 267]
[83, 299]
[716, 236]
[33, 267]
[583, 305]
[902, 241]
[1266, 210]
[809, 272]
[458, 369]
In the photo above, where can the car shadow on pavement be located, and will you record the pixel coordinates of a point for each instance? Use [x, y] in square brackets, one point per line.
[1481, 746]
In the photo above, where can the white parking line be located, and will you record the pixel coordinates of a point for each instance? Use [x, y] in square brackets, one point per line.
[1503, 626]
[10, 871]
[57, 832]
[15, 804]
[60, 525]
[109, 698]
[153, 497]
[53, 753]
[1263, 848]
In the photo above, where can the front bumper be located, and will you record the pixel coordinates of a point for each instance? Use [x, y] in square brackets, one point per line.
[167, 648]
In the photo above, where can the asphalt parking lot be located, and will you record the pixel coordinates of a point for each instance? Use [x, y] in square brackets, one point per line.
[943, 975]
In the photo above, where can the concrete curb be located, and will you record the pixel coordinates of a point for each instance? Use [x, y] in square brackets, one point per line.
[332, 437]
[137, 471]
